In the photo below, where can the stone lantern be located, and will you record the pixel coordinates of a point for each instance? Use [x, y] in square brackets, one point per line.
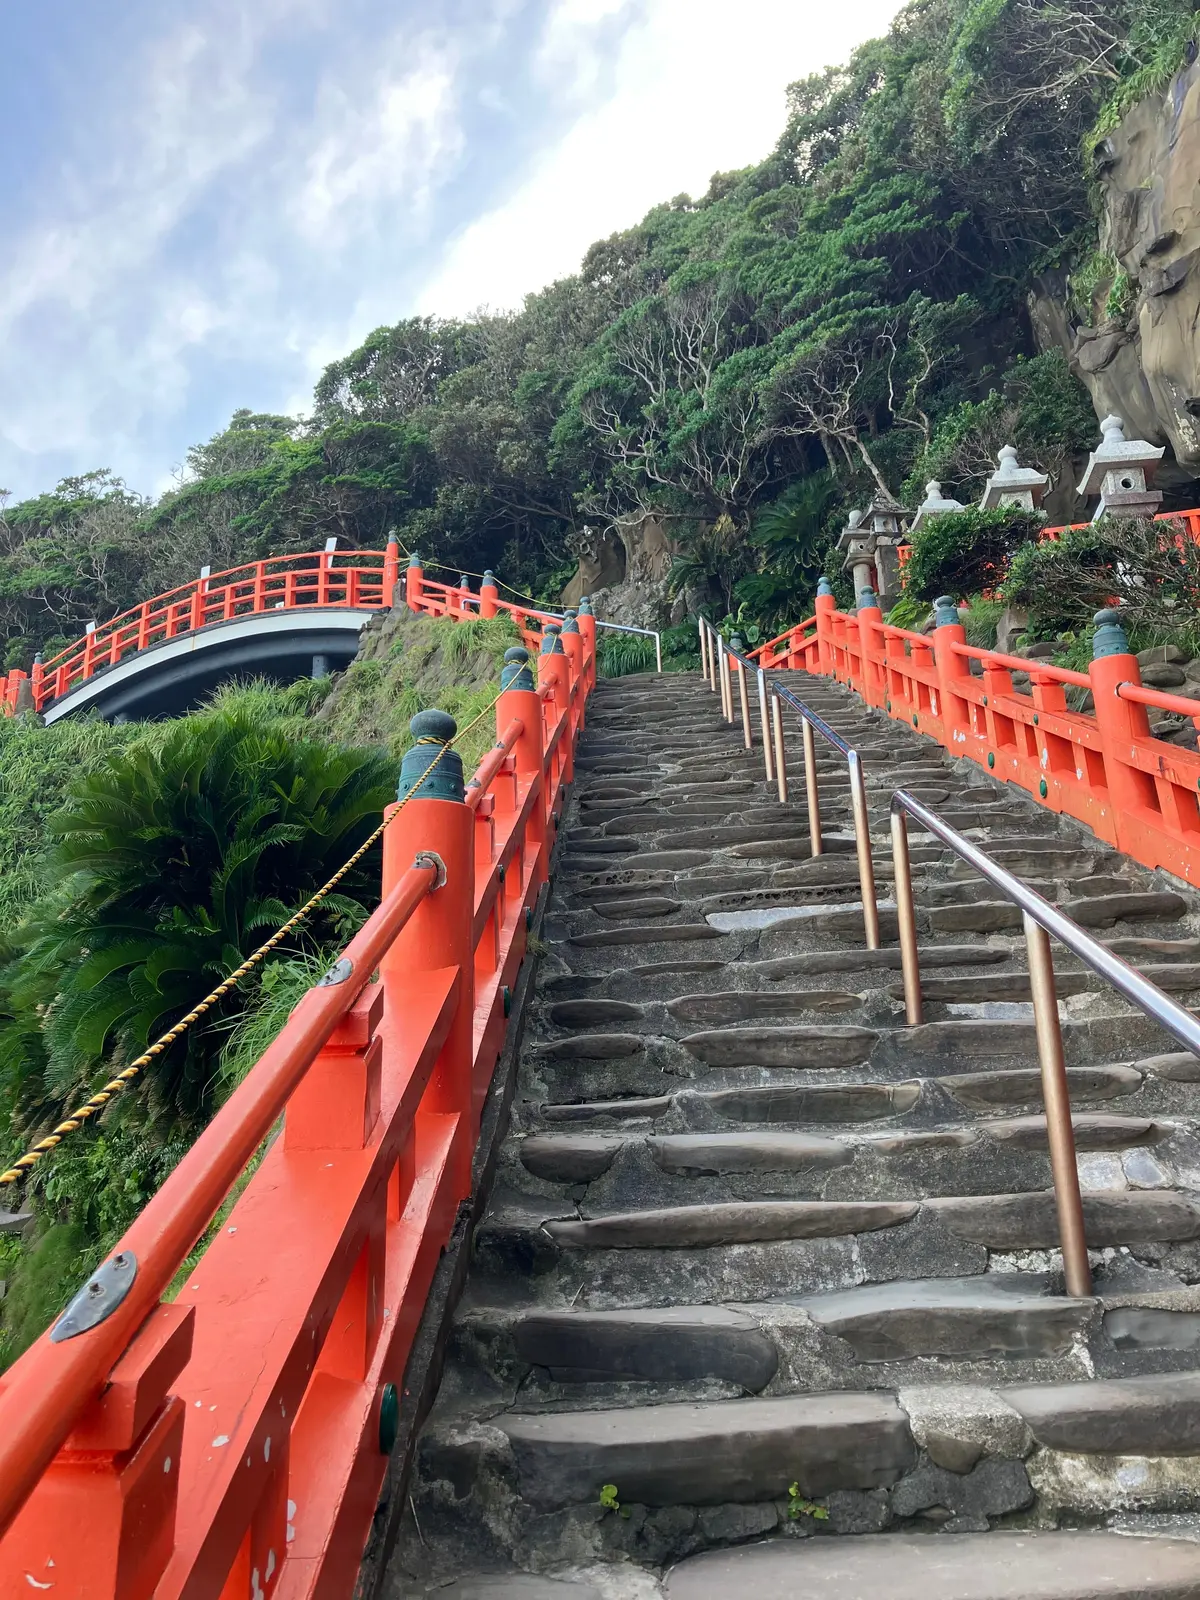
[885, 519]
[1013, 485]
[933, 505]
[857, 544]
[1121, 471]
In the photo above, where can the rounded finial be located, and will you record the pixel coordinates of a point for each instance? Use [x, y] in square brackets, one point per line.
[824, 587]
[393, 537]
[436, 726]
[737, 644]
[585, 606]
[867, 597]
[463, 581]
[945, 611]
[489, 576]
[516, 672]
[432, 731]
[414, 559]
[1007, 456]
[1109, 638]
[1112, 429]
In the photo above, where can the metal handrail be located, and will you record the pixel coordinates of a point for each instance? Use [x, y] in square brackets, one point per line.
[718, 660]
[1040, 920]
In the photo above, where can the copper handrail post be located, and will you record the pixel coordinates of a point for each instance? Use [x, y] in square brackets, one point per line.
[862, 842]
[703, 648]
[812, 789]
[781, 776]
[744, 700]
[906, 915]
[1060, 1131]
[765, 719]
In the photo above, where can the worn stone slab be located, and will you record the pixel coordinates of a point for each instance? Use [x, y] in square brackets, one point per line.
[1140, 950]
[653, 969]
[668, 933]
[979, 1566]
[729, 1222]
[742, 1152]
[982, 916]
[1094, 1130]
[1177, 1066]
[976, 988]
[1116, 1416]
[593, 1013]
[621, 910]
[1030, 1222]
[991, 1316]
[675, 860]
[589, 1111]
[859, 1102]
[666, 1344]
[569, 1158]
[815, 1046]
[1152, 1328]
[594, 1047]
[1102, 911]
[707, 1454]
[968, 1036]
[813, 962]
[1018, 1086]
[739, 1005]
[512, 1586]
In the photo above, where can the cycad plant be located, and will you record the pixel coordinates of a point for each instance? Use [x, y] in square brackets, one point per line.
[176, 859]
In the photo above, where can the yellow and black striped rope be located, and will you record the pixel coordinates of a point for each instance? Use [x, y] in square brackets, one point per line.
[93, 1106]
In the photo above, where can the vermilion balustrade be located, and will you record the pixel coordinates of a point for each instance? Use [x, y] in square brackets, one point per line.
[1104, 767]
[364, 580]
[231, 1442]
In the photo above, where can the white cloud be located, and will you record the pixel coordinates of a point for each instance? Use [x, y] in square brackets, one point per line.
[699, 88]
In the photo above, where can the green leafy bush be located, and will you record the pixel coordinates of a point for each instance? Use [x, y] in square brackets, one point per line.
[966, 552]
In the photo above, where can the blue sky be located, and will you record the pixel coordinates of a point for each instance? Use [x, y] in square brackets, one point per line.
[204, 201]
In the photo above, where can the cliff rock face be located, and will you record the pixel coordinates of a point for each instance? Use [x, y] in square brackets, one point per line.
[1143, 362]
[625, 573]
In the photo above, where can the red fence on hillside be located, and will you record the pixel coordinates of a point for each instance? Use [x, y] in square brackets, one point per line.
[231, 1440]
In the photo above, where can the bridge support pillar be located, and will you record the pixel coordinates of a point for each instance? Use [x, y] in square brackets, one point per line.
[320, 667]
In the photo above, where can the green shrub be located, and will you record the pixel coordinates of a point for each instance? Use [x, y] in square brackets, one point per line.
[966, 552]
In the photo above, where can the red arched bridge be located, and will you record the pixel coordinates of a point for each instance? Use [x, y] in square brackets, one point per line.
[286, 617]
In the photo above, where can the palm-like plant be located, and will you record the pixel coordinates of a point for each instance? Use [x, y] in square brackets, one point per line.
[177, 858]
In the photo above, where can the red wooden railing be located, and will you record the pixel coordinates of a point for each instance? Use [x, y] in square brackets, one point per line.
[231, 1442]
[1104, 767]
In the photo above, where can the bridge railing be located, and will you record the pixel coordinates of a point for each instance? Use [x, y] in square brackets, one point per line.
[230, 1440]
[1103, 767]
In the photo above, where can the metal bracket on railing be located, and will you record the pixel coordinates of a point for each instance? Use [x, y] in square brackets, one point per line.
[99, 1297]
[338, 973]
[430, 858]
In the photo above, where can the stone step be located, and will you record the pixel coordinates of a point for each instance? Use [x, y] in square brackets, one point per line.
[831, 1045]
[1020, 1087]
[813, 962]
[1069, 1565]
[579, 1158]
[836, 1103]
[667, 1344]
[1154, 1416]
[710, 1453]
[1006, 986]
[731, 1223]
[994, 1315]
[738, 1005]
[654, 933]
[1029, 1221]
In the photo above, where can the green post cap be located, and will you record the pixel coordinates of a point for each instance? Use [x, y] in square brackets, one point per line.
[585, 607]
[393, 537]
[945, 611]
[516, 673]
[551, 643]
[432, 731]
[489, 576]
[414, 560]
[1110, 638]
[737, 643]
[824, 587]
[463, 581]
[867, 597]
[569, 623]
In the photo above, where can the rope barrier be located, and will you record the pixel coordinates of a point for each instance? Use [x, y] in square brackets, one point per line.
[97, 1102]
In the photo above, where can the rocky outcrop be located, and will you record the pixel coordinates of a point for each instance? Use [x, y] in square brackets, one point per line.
[1140, 355]
[625, 571]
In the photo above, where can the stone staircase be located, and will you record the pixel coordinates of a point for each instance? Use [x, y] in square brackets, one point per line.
[764, 1268]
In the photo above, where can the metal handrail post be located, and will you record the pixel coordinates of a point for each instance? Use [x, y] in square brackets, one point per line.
[906, 915]
[744, 699]
[812, 789]
[1060, 1132]
[658, 649]
[726, 683]
[862, 841]
[781, 776]
[703, 648]
[714, 667]
[765, 719]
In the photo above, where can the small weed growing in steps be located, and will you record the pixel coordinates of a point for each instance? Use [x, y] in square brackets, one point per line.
[609, 1500]
[799, 1507]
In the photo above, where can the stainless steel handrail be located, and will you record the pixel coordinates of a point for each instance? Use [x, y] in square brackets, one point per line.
[1040, 920]
[717, 661]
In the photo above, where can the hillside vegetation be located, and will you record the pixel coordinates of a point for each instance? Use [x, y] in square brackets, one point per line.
[851, 310]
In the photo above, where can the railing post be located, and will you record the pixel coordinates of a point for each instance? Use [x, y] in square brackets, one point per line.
[101, 1520]
[587, 627]
[1060, 1131]
[439, 934]
[553, 674]
[862, 840]
[391, 569]
[906, 916]
[812, 788]
[953, 711]
[781, 775]
[870, 628]
[703, 648]
[413, 579]
[520, 699]
[824, 608]
[38, 681]
[1120, 722]
[726, 681]
[764, 718]
[572, 643]
[738, 644]
[489, 594]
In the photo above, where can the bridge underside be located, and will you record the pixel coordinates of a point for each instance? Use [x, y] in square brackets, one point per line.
[169, 679]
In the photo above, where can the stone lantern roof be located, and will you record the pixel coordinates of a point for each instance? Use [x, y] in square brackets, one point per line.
[884, 514]
[933, 505]
[1121, 471]
[1013, 485]
[853, 530]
